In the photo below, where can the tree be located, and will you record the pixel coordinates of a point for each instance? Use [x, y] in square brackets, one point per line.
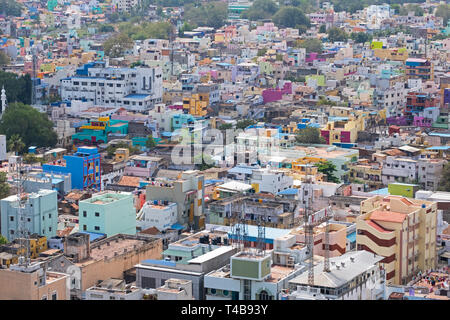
[260, 9]
[323, 29]
[310, 135]
[207, 161]
[328, 169]
[361, 37]
[16, 144]
[444, 184]
[105, 28]
[244, 123]
[4, 58]
[18, 88]
[32, 126]
[312, 45]
[290, 17]
[404, 10]
[30, 158]
[336, 34]
[225, 126]
[10, 8]
[3, 240]
[443, 11]
[116, 46]
[4, 186]
[211, 14]
[150, 143]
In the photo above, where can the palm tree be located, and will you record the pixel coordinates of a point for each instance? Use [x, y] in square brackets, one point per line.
[16, 144]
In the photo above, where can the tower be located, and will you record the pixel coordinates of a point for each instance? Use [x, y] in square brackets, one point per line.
[3, 99]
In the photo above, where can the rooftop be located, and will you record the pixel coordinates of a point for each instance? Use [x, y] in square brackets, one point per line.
[388, 216]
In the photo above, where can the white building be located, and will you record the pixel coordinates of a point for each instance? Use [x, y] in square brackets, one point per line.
[399, 170]
[3, 155]
[375, 14]
[136, 89]
[125, 5]
[355, 275]
[270, 180]
[162, 215]
[175, 289]
[114, 289]
[249, 276]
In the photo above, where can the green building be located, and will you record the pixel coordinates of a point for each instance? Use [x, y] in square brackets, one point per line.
[403, 189]
[110, 213]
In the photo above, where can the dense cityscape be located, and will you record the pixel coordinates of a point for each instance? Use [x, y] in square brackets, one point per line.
[224, 150]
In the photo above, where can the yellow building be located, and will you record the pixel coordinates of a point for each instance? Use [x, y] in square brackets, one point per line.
[366, 173]
[343, 125]
[394, 54]
[403, 231]
[121, 154]
[37, 244]
[196, 104]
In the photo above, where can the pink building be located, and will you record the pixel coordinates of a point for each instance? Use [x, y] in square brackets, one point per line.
[270, 95]
[337, 239]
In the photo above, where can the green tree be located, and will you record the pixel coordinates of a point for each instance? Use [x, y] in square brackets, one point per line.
[32, 126]
[310, 135]
[4, 185]
[3, 240]
[290, 17]
[244, 123]
[18, 88]
[312, 45]
[4, 58]
[361, 37]
[443, 11]
[225, 126]
[328, 169]
[260, 9]
[16, 144]
[336, 34]
[30, 158]
[10, 8]
[104, 28]
[323, 29]
[207, 161]
[116, 46]
[150, 143]
[211, 14]
[444, 183]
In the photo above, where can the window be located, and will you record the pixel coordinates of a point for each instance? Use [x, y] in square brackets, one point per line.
[11, 218]
[84, 214]
[54, 296]
[97, 214]
[263, 295]
[97, 228]
[49, 215]
[84, 227]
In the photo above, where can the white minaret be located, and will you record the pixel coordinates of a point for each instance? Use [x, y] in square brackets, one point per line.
[3, 98]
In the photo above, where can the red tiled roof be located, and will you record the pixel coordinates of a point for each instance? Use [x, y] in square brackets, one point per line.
[388, 216]
[376, 226]
[130, 181]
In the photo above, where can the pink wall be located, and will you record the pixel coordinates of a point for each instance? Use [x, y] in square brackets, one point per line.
[270, 95]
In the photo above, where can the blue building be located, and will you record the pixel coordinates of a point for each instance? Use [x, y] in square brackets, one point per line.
[40, 213]
[84, 167]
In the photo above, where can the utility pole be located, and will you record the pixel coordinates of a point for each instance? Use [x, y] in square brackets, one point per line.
[24, 240]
